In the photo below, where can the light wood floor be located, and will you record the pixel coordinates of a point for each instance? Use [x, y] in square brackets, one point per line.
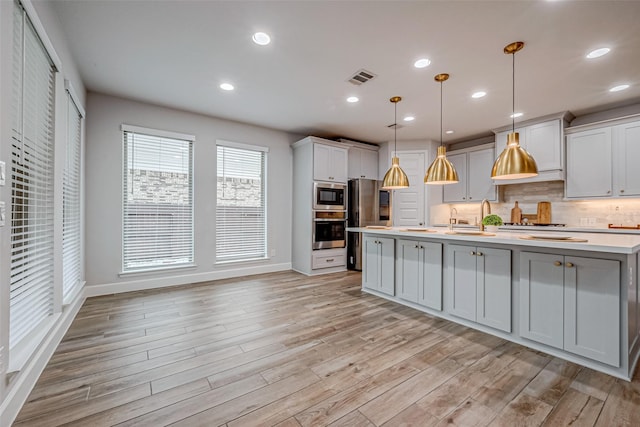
[288, 350]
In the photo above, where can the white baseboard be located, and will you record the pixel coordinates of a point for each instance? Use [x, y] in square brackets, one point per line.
[183, 279]
[28, 376]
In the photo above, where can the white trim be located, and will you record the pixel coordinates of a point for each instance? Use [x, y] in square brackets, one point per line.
[42, 34]
[74, 97]
[25, 380]
[242, 145]
[151, 270]
[187, 279]
[20, 354]
[157, 132]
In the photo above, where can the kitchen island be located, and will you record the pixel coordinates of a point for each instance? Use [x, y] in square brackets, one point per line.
[574, 296]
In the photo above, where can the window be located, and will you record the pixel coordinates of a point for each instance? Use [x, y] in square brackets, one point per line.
[241, 202]
[71, 226]
[31, 304]
[157, 199]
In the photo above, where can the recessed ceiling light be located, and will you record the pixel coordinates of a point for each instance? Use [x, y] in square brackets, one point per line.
[353, 99]
[226, 86]
[619, 88]
[479, 94]
[516, 115]
[598, 52]
[409, 118]
[262, 39]
[449, 132]
[421, 63]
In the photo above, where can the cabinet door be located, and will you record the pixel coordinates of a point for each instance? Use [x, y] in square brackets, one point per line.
[501, 139]
[461, 281]
[544, 144]
[430, 284]
[409, 269]
[457, 192]
[369, 164]
[321, 162]
[480, 185]
[589, 164]
[387, 265]
[592, 308]
[354, 165]
[370, 262]
[494, 288]
[338, 165]
[626, 148]
[541, 298]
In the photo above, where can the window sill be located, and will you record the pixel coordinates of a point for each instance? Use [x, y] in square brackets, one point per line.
[241, 261]
[149, 271]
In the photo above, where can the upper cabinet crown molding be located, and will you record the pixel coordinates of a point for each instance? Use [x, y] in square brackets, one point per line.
[565, 116]
[603, 123]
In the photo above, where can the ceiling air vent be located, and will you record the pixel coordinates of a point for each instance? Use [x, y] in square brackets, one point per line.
[361, 76]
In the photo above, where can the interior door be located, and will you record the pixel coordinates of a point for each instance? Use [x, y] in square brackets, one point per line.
[408, 203]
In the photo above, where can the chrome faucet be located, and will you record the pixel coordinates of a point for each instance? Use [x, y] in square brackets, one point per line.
[452, 219]
[482, 212]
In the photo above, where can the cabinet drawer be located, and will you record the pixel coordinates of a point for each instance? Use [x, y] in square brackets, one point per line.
[328, 260]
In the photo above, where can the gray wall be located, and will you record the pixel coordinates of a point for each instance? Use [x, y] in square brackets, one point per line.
[104, 186]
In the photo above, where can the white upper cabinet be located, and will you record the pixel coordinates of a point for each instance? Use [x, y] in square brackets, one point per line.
[329, 163]
[363, 163]
[602, 162]
[589, 164]
[474, 172]
[544, 141]
[626, 150]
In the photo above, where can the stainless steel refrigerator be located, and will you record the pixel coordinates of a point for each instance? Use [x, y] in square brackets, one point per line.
[368, 204]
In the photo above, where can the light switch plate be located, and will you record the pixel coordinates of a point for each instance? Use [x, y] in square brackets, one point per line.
[3, 214]
[3, 173]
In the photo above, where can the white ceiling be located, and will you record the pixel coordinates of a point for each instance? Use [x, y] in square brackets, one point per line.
[176, 53]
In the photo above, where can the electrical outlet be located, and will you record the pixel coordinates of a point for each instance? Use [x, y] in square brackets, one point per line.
[273, 252]
[592, 221]
[584, 221]
[3, 213]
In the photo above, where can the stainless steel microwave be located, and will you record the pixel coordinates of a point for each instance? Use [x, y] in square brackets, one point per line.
[329, 196]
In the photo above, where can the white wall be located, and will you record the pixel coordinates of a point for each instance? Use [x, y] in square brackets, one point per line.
[104, 192]
[11, 396]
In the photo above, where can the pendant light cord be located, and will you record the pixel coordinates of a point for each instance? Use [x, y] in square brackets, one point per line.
[441, 143]
[513, 93]
[395, 128]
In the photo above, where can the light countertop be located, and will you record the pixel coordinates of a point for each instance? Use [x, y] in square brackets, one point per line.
[596, 242]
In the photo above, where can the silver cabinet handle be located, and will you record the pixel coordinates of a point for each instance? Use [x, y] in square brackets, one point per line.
[330, 260]
[421, 247]
[480, 254]
[416, 246]
[569, 264]
[472, 253]
[608, 191]
[622, 191]
[557, 263]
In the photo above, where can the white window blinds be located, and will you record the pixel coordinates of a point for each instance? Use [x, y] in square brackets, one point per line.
[157, 200]
[71, 225]
[32, 210]
[241, 204]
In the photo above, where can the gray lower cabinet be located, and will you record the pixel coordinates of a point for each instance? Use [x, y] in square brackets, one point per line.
[419, 272]
[571, 303]
[479, 285]
[378, 270]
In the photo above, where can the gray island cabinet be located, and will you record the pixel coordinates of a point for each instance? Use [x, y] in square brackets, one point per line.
[574, 299]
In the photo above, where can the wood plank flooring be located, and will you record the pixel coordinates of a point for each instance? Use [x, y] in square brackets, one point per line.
[288, 350]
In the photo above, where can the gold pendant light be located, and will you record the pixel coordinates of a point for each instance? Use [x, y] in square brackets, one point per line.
[441, 171]
[395, 177]
[514, 162]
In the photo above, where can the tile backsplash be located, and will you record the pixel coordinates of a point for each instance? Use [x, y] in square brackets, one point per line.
[583, 213]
